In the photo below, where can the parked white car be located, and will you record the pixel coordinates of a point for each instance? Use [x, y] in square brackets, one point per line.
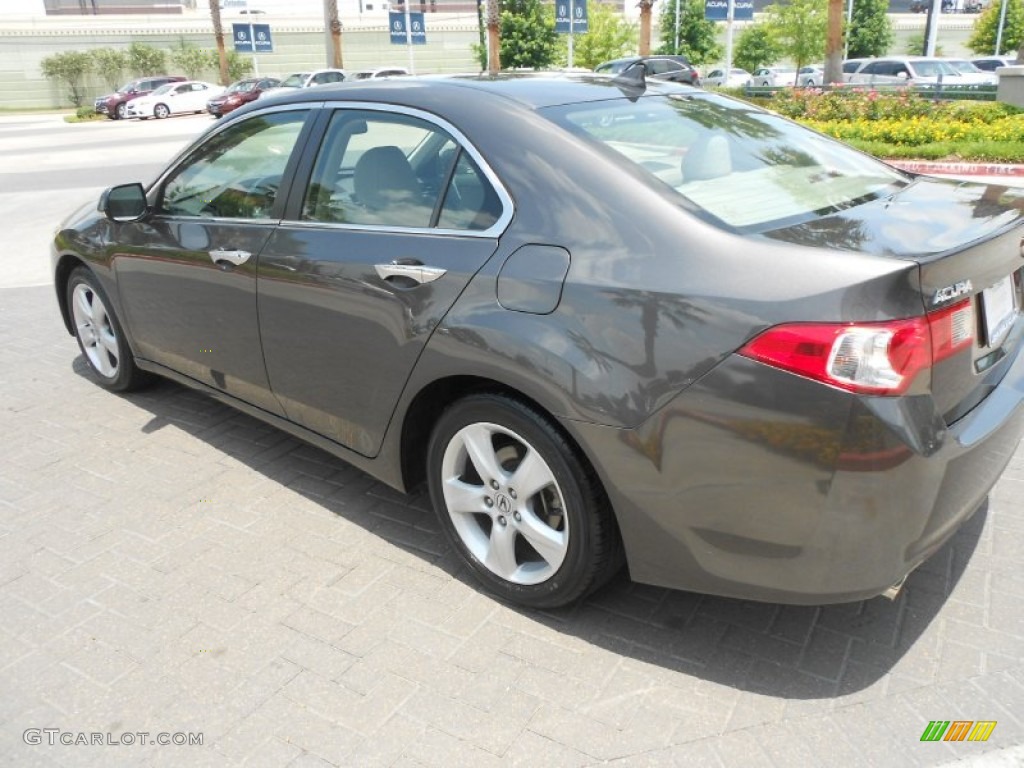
[173, 99]
[992, 63]
[717, 78]
[906, 70]
[850, 67]
[308, 79]
[811, 76]
[972, 75]
[773, 77]
[367, 74]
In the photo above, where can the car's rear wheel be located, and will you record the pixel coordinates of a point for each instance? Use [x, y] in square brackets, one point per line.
[160, 111]
[100, 336]
[119, 111]
[523, 510]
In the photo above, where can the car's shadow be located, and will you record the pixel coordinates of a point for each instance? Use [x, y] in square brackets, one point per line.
[793, 652]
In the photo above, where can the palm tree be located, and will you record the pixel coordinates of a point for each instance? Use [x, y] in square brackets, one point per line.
[331, 11]
[834, 44]
[645, 26]
[493, 36]
[218, 34]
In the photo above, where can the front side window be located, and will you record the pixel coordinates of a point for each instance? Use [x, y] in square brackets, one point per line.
[396, 171]
[237, 172]
[749, 169]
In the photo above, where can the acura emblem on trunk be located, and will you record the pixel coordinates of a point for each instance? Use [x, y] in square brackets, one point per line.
[952, 291]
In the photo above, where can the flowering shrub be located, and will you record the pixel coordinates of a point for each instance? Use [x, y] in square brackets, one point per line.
[868, 104]
[917, 131]
[902, 123]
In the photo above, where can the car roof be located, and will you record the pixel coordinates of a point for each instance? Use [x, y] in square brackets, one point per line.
[531, 90]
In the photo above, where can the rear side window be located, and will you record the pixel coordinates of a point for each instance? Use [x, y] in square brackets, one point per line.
[396, 171]
[470, 201]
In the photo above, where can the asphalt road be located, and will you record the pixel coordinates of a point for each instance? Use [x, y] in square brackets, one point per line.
[169, 565]
[48, 168]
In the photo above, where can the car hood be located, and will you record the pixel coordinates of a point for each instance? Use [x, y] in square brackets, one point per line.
[929, 216]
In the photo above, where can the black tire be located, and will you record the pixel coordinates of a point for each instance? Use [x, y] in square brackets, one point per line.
[572, 506]
[160, 111]
[119, 111]
[114, 370]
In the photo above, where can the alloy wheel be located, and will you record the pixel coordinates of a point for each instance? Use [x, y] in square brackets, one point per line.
[95, 330]
[505, 503]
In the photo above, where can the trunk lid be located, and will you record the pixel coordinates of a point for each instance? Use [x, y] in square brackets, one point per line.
[968, 243]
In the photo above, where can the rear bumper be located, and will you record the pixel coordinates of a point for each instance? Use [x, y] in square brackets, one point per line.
[760, 485]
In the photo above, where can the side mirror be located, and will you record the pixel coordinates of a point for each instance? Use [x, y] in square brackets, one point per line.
[902, 75]
[126, 202]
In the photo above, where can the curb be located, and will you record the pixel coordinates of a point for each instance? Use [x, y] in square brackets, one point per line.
[959, 169]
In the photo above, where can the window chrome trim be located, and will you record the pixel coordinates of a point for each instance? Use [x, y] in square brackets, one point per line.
[496, 230]
[489, 233]
[492, 232]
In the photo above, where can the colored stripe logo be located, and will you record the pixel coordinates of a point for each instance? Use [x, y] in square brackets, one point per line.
[958, 730]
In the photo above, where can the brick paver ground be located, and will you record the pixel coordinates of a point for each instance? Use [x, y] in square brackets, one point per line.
[172, 565]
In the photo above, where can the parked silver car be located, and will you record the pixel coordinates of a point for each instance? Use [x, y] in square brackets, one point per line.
[906, 70]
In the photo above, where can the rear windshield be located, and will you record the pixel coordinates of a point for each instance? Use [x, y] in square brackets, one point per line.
[295, 81]
[749, 169]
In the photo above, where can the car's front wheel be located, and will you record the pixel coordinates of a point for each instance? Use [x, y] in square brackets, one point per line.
[119, 111]
[519, 505]
[160, 111]
[100, 336]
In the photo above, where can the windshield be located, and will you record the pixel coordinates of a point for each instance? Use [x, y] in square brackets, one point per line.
[163, 89]
[932, 68]
[295, 81]
[751, 170]
[964, 67]
[127, 87]
[242, 86]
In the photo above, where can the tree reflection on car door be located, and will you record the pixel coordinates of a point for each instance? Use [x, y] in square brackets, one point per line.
[187, 272]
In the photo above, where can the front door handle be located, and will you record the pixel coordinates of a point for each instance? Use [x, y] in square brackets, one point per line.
[237, 258]
[417, 272]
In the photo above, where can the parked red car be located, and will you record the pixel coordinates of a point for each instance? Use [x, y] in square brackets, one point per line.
[113, 104]
[239, 93]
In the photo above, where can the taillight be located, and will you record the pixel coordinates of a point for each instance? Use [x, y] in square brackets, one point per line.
[867, 358]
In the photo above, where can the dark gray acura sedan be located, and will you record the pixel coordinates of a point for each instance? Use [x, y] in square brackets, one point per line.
[603, 321]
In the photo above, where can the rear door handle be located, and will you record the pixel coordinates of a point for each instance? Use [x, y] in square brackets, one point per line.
[417, 272]
[237, 258]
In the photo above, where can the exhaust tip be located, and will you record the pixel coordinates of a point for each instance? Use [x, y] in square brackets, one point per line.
[891, 593]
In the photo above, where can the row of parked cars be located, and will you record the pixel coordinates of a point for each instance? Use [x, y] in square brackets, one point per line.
[163, 95]
[888, 70]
